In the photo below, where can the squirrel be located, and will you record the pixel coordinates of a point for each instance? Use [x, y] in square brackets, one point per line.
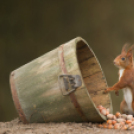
[126, 79]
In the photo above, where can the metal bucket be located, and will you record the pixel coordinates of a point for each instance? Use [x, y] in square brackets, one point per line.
[64, 85]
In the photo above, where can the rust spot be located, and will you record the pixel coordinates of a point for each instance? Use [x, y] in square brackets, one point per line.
[16, 100]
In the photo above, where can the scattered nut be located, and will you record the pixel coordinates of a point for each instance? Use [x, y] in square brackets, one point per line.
[109, 121]
[110, 116]
[117, 121]
[110, 126]
[117, 126]
[118, 115]
[129, 117]
[124, 116]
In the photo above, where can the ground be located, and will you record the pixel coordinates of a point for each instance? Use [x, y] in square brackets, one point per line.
[17, 127]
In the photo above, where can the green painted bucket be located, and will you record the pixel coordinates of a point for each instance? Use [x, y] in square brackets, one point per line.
[64, 85]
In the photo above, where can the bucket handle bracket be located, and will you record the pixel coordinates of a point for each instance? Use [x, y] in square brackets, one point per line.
[69, 83]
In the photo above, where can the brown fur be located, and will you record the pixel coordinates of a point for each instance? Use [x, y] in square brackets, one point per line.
[127, 79]
[123, 105]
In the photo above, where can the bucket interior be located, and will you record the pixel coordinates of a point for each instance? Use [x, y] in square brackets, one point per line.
[92, 74]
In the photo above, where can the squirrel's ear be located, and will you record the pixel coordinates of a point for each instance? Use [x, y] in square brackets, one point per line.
[130, 51]
[124, 48]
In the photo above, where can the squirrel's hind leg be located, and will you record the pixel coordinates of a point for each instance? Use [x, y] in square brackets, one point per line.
[123, 107]
[133, 107]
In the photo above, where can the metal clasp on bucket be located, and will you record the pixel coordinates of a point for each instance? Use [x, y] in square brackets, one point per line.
[69, 83]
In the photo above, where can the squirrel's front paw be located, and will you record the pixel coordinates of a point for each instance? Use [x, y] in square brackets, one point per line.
[106, 91]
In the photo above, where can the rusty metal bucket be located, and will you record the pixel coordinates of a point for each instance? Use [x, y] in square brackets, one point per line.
[64, 85]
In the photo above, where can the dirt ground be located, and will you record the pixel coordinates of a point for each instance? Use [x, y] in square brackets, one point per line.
[17, 127]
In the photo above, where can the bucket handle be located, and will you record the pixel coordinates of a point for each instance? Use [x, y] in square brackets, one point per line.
[69, 83]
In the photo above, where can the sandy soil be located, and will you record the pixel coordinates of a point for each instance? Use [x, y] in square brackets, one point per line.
[17, 127]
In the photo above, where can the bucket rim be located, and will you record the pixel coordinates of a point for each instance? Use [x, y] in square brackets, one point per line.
[77, 40]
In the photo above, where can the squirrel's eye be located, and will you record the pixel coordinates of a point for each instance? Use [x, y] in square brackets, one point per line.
[123, 58]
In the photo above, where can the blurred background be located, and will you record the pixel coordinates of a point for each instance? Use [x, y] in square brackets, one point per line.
[29, 29]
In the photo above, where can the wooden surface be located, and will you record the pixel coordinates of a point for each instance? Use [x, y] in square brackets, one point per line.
[39, 92]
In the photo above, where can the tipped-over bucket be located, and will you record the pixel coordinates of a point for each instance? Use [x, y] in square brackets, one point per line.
[64, 85]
